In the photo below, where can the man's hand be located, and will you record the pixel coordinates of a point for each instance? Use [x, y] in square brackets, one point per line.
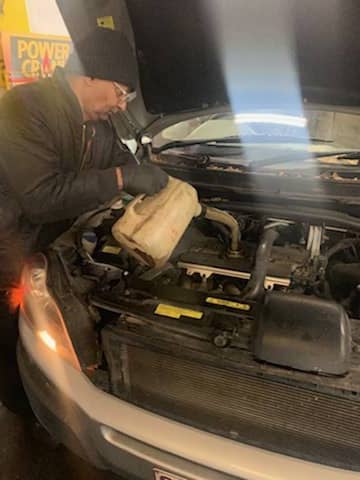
[137, 179]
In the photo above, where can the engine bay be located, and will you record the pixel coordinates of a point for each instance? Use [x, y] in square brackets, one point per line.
[309, 259]
[288, 296]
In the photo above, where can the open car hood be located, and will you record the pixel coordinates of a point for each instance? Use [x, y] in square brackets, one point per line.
[248, 55]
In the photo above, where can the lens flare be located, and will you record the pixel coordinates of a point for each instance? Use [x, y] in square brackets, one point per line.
[15, 297]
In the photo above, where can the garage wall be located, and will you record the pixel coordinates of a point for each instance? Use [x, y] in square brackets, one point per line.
[31, 16]
[14, 17]
[45, 18]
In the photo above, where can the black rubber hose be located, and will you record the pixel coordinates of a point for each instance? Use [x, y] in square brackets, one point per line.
[342, 245]
[255, 286]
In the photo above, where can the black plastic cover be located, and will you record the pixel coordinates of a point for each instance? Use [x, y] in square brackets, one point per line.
[303, 332]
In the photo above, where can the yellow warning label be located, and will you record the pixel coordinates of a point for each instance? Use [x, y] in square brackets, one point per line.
[228, 303]
[111, 249]
[176, 312]
[106, 22]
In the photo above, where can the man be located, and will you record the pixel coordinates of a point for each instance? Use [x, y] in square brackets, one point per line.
[60, 157]
[58, 150]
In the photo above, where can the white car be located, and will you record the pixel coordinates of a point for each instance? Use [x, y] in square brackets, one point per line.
[239, 357]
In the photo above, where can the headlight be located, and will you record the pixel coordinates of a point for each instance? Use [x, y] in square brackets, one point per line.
[42, 313]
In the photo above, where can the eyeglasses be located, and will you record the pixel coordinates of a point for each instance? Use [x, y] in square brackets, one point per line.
[122, 94]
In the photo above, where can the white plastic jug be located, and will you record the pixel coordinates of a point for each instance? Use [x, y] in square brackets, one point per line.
[151, 227]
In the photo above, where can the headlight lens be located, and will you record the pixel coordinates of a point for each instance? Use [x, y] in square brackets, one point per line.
[42, 313]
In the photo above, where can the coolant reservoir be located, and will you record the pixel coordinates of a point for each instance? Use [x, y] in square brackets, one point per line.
[151, 227]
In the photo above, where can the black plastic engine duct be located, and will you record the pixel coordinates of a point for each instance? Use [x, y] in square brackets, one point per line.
[303, 332]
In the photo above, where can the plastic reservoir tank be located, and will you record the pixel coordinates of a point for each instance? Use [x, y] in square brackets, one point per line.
[151, 227]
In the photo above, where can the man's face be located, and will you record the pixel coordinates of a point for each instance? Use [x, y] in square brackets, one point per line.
[102, 98]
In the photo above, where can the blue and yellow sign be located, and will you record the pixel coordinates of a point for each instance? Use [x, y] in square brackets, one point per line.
[30, 57]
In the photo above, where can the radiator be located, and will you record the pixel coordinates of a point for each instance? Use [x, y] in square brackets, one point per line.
[248, 408]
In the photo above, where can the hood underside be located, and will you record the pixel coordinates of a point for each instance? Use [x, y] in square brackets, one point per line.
[250, 55]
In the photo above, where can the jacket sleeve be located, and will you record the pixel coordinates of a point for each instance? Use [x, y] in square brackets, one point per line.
[11, 245]
[46, 193]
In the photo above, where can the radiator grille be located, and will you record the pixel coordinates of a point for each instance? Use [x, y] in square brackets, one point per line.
[251, 409]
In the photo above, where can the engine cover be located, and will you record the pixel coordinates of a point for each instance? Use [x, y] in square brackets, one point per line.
[303, 332]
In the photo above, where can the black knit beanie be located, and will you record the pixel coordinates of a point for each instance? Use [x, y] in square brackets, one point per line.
[104, 54]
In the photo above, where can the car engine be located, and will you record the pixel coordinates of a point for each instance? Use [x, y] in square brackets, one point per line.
[311, 259]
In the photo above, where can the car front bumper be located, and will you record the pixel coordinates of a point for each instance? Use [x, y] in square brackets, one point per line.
[115, 435]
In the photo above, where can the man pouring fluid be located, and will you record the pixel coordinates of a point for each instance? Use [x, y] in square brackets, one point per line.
[58, 150]
[60, 156]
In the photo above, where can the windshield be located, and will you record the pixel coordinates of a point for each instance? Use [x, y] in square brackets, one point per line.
[257, 136]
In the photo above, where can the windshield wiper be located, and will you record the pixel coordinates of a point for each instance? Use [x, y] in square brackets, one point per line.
[201, 161]
[349, 155]
[239, 141]
[301, 156]
[190, 143]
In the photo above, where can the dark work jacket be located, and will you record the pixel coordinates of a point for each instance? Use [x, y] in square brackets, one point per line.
[11, 246]
[57, 167]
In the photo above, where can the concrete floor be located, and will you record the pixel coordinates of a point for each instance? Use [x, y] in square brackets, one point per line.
[27, 453]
